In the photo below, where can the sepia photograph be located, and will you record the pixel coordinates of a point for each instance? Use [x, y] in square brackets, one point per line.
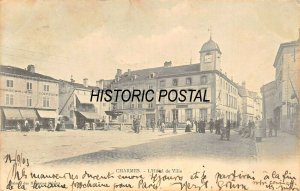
[149, 95]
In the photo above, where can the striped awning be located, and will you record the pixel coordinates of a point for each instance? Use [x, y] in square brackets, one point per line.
[90, 115]
[48, 114]
[28, 114]
[12, 114]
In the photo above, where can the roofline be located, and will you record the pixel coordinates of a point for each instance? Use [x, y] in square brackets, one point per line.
[30, 77]
[281, 46]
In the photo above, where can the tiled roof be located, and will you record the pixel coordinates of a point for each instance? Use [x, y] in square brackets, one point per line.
[159, 72]
[22, 72]
[78, 85]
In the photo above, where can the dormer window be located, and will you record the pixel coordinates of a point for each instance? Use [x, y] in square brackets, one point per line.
[152, 75]
[188, 81]
[175, 82]
[133, 77]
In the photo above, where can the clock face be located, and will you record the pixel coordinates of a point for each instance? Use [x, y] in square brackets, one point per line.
[208, 58]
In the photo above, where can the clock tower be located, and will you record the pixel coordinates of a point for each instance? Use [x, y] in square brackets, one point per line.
[210, 56]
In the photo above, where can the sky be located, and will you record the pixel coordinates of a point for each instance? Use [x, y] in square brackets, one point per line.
[92, 39]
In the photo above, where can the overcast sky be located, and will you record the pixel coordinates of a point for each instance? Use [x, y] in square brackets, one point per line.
[93, 38]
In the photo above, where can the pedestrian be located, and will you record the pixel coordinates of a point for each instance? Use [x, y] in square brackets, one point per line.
[174, 125]
[37, 126]
[275, 127]
[138, 125]
[218, 126]
[26, 125]
[228, 130]
[134, 125]
[159, 124]
[18, 126]
[50, 126]
[222, 128]
[188, 126]
[152, 124]
[163, 127]
[202, 126]
[211, 125]
[270, 125]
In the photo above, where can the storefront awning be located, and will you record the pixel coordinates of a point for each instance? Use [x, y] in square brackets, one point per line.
[90, 115]
[47, 114]
[12, 114]
[84, 99]
[28, 113]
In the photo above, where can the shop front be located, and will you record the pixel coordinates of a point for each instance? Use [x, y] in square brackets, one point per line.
[45, 116]
[11, 117]
[84, 118]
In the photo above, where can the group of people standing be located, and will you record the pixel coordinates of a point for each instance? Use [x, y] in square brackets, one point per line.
[218, 126]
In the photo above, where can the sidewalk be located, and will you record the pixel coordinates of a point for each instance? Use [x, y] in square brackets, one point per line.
[283, 146]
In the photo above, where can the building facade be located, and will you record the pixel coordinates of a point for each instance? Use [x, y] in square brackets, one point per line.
[75, 105]
[268, 92]
[251, 105]
[287, 85]
[27, 95]
[206, 75]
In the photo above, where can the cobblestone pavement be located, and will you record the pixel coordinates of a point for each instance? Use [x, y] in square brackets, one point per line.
[185, 145]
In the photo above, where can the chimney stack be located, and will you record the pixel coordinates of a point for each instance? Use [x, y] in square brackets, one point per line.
[244, 84]
[168, 64]
[31, 68]
[129, 72]
[72, 80]
[119, 72]
[85, 82]
[100, 84]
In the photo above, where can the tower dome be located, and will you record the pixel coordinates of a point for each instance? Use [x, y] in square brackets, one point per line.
[210, 46]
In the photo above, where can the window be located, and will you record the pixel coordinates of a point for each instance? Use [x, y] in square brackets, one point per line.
[132, 105]
[46, 102]
[203, 114]
[140, 105]
[46, 88]
[203, 80]
[188, 114]
[162, 83]
[175, 82]
[150, 105]
[9, 83]
[9, 99]
[188, 81]
[29, 101]
[29, 86]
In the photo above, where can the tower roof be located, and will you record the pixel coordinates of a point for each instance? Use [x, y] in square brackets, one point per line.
[210, 46]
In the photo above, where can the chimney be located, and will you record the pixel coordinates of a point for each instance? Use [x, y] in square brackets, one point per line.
[85, 82]
[31, 68]
[129, 72]
[119, 72]
[72, 80]
[244, 84]
[168, 64]
[100, 83]
[299, 34]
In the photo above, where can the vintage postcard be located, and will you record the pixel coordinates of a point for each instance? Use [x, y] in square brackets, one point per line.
[149, 95]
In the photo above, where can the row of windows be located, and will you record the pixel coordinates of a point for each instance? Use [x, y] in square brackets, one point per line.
[231, 101]
[188, 81]
[227, 86]
[10, 84]
[133, 106]
[9, 100]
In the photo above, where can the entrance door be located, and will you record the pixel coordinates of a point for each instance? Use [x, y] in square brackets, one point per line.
[175, 114]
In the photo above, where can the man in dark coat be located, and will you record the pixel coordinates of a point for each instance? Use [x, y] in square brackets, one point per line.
[228, 130]
[211, 125]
